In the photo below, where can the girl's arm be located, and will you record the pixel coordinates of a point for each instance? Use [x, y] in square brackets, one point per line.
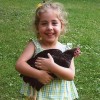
[61, 72]
[24, 68]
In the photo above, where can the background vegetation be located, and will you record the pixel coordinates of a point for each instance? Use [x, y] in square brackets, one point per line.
[16, 29]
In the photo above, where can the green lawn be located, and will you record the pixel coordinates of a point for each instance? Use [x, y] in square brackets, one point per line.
[16, 29]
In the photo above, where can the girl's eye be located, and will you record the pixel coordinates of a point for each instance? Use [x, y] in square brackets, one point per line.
[54, 23]
[43, 23]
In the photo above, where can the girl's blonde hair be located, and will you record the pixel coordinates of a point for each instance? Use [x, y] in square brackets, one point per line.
[58, 8]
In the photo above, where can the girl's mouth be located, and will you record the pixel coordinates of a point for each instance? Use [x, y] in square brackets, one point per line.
[50, 34]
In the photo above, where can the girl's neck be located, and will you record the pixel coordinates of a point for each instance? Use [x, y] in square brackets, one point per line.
[48, 45]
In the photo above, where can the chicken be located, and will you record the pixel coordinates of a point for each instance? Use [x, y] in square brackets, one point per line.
[61, 58]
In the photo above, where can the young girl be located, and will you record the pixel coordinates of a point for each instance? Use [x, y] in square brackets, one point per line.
[50, 23]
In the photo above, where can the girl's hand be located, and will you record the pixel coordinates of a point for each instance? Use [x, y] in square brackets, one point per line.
[44, 77]
[44, 63]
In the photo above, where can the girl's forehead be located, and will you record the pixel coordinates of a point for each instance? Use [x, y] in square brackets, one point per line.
[49, 14]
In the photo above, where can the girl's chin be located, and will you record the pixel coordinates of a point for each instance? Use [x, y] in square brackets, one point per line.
[50, 40]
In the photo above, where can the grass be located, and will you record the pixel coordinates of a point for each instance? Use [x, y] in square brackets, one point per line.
[15, 30]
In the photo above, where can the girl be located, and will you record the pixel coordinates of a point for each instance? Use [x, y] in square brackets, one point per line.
[50, 22]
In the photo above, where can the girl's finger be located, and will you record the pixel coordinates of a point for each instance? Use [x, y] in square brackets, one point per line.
[50, 56]
[39, 59]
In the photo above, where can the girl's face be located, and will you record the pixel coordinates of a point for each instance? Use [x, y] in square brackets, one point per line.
[49, 27]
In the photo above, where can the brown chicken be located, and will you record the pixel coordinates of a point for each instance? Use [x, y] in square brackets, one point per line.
[61, 58]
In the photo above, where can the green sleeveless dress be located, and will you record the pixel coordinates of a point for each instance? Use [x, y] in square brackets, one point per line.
[57, 89]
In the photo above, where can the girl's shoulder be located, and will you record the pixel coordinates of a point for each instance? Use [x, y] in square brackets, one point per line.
[35, 41]
[37, 45]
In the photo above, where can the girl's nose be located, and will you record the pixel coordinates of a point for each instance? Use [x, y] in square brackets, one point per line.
[50, 27]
